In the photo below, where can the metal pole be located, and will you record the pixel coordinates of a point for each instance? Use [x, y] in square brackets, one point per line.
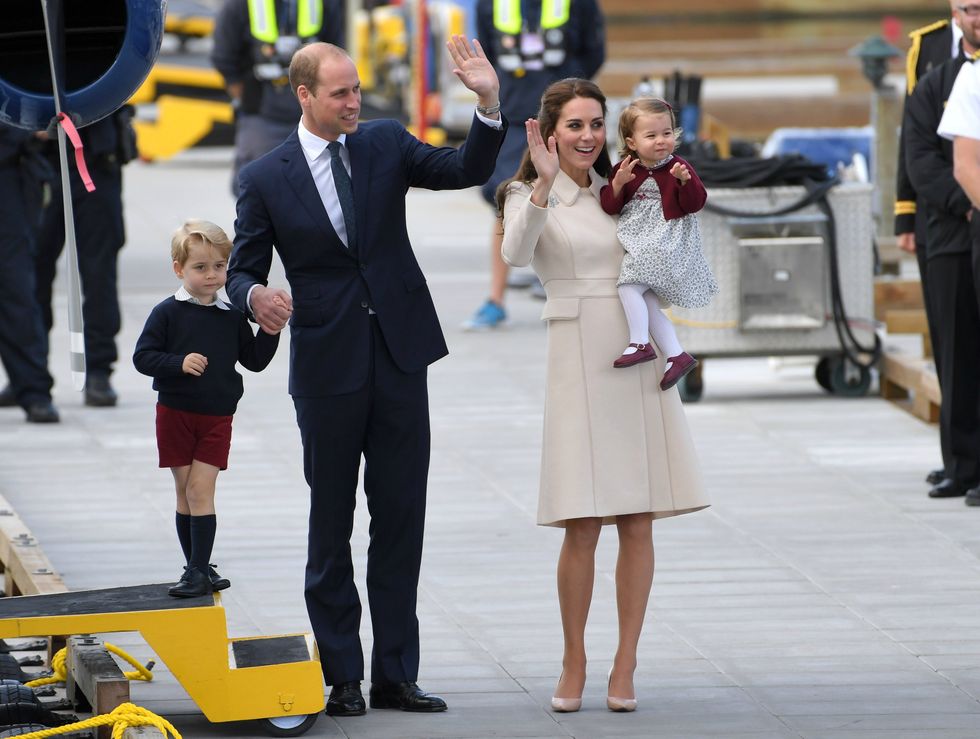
[76, 327]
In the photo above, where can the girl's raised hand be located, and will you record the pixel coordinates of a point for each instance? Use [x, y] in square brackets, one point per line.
[681, 172]
[543, 156]
[625, 173]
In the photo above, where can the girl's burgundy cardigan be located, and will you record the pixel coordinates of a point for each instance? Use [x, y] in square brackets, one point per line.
[678, 201]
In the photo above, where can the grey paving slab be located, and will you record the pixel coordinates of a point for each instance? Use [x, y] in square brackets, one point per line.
[823, 594]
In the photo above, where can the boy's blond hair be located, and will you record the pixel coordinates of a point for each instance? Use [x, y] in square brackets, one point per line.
[643, 106]
[195, 231]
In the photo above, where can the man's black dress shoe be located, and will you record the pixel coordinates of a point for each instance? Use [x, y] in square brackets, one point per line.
[193, 583]
[405, 696]
[346, 700]
[935, 477]
[949, 489]
[973, 496]
[43, 411]
[98, 392]
[7, 397]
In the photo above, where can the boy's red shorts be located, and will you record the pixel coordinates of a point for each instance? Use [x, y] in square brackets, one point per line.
[183, 436]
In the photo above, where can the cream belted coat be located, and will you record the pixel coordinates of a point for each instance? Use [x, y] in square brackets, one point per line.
[614, 443]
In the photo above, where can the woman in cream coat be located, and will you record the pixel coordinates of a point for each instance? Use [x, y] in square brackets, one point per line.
[616, 448]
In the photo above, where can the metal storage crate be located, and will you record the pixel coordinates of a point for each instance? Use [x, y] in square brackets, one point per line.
[774, 278]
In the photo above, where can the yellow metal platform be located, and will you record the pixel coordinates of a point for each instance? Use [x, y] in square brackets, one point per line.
[267, 677]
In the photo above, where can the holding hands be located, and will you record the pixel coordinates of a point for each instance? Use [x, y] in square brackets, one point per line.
[682, 173]
[475, 71]
[271, 308]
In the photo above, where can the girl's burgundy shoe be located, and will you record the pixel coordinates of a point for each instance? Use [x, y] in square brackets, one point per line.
[643, 353]
[679, 366]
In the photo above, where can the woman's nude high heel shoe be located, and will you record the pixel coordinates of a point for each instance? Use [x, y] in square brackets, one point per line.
[565, 705]
[619, 705]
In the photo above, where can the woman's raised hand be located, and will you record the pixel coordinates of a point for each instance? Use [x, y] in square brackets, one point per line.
[544, 157]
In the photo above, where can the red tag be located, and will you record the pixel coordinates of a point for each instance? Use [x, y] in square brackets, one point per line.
[76, 141]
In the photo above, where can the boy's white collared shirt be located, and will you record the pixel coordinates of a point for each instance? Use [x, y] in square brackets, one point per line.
[185, 297]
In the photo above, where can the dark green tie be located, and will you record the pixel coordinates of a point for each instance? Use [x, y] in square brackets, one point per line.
[345, 193]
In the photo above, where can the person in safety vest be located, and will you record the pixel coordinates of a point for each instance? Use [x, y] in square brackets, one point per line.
[254, 41]
[531, 43]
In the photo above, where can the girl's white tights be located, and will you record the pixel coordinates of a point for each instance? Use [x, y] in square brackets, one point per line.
[645, 318]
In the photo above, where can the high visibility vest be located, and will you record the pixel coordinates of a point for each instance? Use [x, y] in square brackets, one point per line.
[507, 15]
[509, 24]
[264, 27]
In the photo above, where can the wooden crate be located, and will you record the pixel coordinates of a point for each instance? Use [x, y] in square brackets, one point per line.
[912, 384]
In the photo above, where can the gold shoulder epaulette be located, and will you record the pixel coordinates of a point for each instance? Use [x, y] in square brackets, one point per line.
[929, 29]
[912, 58]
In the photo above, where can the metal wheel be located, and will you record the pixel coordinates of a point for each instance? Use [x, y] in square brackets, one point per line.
[822, 372]
[849, 379]
[289, 725]
[691, 386]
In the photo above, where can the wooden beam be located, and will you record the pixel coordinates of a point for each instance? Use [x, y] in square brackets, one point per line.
[892, 294]
[26, 569]
[95, 678]
[906, 321]
[903, 377]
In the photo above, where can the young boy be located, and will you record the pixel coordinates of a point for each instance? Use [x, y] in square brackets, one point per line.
[189, 346]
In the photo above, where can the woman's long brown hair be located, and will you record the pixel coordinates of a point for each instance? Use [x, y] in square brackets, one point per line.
[552, 102]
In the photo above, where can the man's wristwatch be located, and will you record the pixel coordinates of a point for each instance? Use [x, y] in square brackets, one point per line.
[488, 111]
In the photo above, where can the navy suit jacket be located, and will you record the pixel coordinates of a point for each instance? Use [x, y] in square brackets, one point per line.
[332, 287]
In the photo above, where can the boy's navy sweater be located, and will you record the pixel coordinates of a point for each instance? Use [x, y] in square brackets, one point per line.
[177, 328]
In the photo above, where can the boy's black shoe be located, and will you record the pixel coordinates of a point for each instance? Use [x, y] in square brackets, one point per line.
[193, 583]
[217, 581]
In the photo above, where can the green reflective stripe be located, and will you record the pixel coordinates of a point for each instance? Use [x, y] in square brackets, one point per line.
[507, 16]
[554, 13]
[309, 19]
[262, 20]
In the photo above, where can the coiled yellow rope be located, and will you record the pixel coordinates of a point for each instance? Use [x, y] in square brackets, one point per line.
[61, 671]
[121, 718]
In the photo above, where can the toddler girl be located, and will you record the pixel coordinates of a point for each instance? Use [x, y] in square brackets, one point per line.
[657, 195]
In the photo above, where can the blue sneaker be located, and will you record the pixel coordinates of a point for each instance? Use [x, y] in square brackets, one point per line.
[489, 315]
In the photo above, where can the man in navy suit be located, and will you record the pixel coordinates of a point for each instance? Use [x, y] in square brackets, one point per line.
[331, 201]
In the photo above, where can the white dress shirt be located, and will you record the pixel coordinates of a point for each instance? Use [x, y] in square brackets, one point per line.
[185, 297]
[318, 159]
[962, 114]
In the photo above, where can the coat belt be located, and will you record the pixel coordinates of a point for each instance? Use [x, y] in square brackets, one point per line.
[599, 287]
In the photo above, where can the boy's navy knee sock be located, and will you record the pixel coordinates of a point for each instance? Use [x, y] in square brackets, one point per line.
[184, 534]
[202, 540]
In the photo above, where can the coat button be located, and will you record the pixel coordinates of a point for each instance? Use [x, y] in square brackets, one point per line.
[364, 304]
